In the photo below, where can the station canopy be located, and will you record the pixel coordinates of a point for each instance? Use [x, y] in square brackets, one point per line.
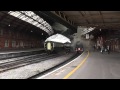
[58, 38]
[32, 18]
[99, 19]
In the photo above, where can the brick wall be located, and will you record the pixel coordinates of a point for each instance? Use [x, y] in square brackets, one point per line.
[10, 39]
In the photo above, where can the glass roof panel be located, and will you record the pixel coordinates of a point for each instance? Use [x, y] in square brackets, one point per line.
[33, 19]
[87, 30]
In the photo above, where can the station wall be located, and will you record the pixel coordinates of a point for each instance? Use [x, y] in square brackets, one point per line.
[10, 39]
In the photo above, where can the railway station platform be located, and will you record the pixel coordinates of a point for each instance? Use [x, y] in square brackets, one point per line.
[89, 65]
[98, 66]
[5, 54]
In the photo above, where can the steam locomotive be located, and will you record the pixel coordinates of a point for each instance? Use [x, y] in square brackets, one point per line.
[79, 47]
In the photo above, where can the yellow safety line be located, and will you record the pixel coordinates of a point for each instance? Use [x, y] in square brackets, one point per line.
[69, 74]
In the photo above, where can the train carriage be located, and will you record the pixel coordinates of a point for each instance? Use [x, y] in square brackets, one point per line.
[56, 44]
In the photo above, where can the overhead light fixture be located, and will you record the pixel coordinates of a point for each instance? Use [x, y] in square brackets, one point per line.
[9, 25]
[100, 29]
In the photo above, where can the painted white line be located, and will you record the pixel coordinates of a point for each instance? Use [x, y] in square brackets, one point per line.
[60, 72]
[58, 68]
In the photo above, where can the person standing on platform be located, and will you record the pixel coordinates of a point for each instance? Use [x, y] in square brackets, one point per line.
[108, 49]
[102, 49]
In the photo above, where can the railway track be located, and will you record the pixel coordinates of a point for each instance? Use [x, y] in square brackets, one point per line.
[26, 61]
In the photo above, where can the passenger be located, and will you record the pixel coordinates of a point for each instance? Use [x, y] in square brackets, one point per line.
[108, 49]
[94, 47]
[99, 47]
[102, 49]
[105, 48]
